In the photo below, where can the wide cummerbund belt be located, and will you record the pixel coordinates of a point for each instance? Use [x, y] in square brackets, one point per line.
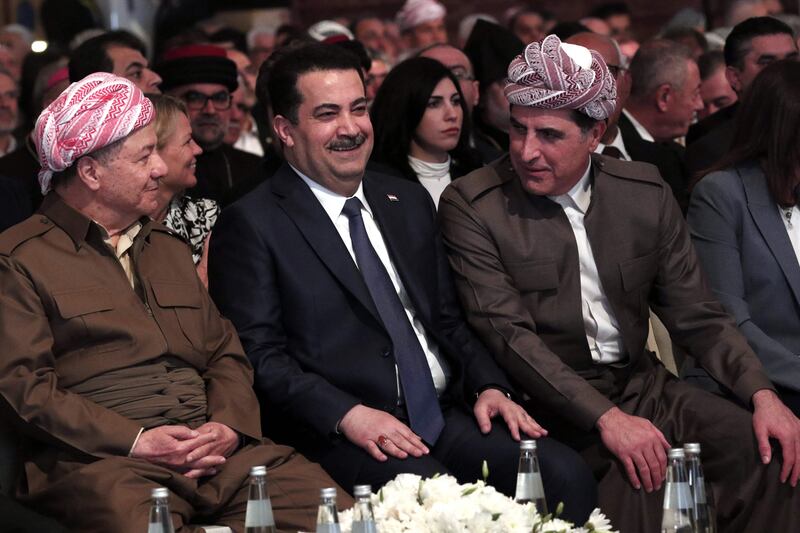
[159, 393]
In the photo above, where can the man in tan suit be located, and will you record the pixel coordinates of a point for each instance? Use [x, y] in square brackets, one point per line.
[559, 254]
[120, 369]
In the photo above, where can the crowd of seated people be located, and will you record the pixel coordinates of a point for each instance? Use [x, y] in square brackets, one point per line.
[368, 247]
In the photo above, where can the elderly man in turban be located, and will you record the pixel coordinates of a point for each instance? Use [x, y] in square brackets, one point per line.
[558, 255]
[122, 373]
[422, 23]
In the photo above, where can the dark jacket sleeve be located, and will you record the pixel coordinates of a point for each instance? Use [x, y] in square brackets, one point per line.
[243, 281]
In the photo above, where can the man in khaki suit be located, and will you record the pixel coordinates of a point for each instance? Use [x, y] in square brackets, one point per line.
[559, 254]
[121, 371]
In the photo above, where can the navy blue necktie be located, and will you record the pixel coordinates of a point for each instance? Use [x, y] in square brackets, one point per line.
[422, 405]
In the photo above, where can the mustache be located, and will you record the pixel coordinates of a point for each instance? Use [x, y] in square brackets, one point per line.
[347, 142]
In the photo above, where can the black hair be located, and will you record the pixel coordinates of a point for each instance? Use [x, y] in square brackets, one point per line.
[768, 115]
[91, 56]
[230, 35]
[565, 30]
[737, 45]
[687, 36]
[584, 121]
[609, 10]
[398, 109]
[709, 62]
[277, 84]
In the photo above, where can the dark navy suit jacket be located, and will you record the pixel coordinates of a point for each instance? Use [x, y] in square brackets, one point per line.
[280, 271]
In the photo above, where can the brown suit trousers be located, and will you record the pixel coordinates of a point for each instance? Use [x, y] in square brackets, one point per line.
[113, 495]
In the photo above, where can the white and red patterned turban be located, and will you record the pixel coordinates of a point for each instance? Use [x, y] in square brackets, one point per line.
[90, 114]
[416, 12]
[556, 75]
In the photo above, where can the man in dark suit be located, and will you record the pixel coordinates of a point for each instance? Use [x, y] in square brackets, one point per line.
[339, 287]
[665, 96]
[558, 256]
[751, 46]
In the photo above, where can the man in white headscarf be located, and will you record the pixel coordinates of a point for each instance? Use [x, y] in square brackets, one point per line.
[559, 254]
[422, 23]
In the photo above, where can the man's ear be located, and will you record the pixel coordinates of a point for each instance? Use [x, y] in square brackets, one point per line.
[664, 94]
[596, 133]
[735, 81]
[89, 172]
[477, 90]
[283, 129]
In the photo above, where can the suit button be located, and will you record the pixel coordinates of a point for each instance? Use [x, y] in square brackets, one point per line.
[387, 352]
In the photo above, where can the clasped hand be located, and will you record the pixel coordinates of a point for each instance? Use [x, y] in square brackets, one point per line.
[193, 453]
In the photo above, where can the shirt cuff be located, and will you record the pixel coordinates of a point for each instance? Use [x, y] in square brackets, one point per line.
[130, 453]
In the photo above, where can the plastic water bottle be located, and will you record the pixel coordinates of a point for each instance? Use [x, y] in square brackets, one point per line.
[363, 518]
[327, 517]
[677, 517]
[160, 519]
[703, 517]
[259, 517]
[529, 478]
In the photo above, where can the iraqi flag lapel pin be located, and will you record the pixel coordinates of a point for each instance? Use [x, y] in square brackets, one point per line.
[392, 198]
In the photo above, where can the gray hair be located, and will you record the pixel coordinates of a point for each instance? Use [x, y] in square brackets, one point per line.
[656, 63]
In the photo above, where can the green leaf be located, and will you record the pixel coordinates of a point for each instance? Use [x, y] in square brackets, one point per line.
[485, 470]
[495, 516]
[559, 509]
[467, 492]
[380, 495]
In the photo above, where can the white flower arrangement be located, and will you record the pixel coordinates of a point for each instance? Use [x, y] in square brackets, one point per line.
[410, 504]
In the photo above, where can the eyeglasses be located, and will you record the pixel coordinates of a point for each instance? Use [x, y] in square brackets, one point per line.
[616, 70]
[460, 73]
[196, 100]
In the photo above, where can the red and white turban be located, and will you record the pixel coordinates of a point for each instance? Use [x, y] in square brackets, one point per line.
[556, 75]
[416, 12]
[90, 114]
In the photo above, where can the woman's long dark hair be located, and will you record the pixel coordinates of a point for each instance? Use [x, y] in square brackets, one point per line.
[767, 129]
[398, 109]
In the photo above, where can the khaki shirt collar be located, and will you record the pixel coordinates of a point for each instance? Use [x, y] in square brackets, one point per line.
[78, 226]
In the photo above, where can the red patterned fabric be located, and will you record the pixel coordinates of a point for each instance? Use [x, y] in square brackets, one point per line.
[90, 114]
[416, 12]
[549, 75]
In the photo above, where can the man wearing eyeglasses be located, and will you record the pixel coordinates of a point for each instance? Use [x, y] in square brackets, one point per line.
[204, 78]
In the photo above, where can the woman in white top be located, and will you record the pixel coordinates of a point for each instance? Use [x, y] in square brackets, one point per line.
[745, 225]
[419, 118]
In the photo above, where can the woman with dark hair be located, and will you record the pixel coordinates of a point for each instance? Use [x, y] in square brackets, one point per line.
[419, 118]
[745, 225]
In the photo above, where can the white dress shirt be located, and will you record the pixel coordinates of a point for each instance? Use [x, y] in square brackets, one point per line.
[641, 130]
[616, 143]
[333, 204]
[792, 225]
[602, 328]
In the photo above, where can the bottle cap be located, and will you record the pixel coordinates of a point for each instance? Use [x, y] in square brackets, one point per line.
[362, 490]
[527, 445]
[676, 453]
[159, 492]
[692, 447]
[258, 471]
[327, 493]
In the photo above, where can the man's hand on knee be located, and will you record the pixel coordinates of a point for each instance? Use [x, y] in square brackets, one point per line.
[638, 444]
[492, 402]
[771, 418]
[169, 446]
[380, 433]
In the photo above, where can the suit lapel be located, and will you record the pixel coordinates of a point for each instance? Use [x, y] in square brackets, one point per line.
[765, 214]
[391, 216]
[300, 204]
